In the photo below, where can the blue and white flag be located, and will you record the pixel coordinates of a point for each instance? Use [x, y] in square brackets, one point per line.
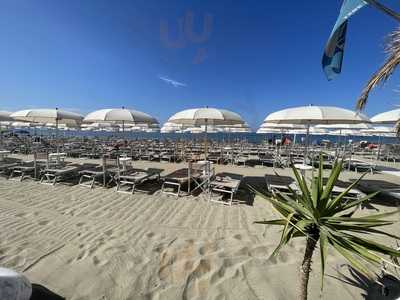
[334, 49]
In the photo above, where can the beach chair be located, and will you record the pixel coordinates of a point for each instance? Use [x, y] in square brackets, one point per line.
[224, 183]
[7, 165]
[177, 179]
[359, 165]
[22, 171]
[282, 184]
[135, 178]
[91, 175]
[52, 176]
[206, 171]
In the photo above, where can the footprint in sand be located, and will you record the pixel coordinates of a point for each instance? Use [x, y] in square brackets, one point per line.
[109, 232]
[82, 255]
[237, 237]
[43, 222]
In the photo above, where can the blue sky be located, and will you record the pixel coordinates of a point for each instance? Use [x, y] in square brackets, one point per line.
[254, 57]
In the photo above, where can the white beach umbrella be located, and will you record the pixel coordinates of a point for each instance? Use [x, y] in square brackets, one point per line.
[120, 115]
[4, 117]
[346, 126]
[205, 117]
[263, 130]
[315, 115]
[344, 129]
[282, 126]
[381, 131]
[171, 128]
[377, 130]
[389, 117]
[56, 116]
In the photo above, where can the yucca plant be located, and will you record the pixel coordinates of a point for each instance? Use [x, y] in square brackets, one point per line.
[325, 219]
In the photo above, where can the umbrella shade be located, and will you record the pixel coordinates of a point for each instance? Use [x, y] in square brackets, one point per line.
[388, 117]
[5, 116]
[237, 128]
[206, 116]
[47, 116]
[379, 129]
[344, 132]
[346, 126]
[269, 130]
[282, 126]
[314, 115]
[121, 115]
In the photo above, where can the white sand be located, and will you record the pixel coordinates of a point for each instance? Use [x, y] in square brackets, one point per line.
[99, 244]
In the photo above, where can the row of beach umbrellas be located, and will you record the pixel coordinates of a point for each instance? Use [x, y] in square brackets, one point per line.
[292, 118]
[302, 118]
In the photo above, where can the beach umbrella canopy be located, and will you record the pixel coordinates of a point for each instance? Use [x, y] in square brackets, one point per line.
[171, 128]
[55, 115]
[48, 116]
[346, 126]
[268, 130]
[206, 116]
[282, 126]
[120, 115]
[5, 116]
[377, 130]
[315, 115]
[388, 117]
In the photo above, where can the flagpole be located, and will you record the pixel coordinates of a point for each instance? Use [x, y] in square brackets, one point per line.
[384, 9]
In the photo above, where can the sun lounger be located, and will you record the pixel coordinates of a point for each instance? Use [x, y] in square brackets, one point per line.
[22, 171]
[53, 176]
[279, 183]
[89, 176]
[6, 167]
[135, 178]
[226, 184]
[177, 179]
[359, 165]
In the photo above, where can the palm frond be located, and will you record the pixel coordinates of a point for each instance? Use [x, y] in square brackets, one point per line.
[383, 74]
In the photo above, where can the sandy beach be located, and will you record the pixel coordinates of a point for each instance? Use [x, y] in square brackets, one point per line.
[99, 244]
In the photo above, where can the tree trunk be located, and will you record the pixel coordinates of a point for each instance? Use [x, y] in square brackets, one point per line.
[306, 266]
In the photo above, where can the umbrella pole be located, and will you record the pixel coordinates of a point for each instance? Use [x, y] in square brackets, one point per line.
[58, 146]
[206, 142]
[379, 147]
[307, 143]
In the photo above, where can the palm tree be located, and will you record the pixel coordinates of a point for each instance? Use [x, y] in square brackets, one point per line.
[321, 217]
[392, 48]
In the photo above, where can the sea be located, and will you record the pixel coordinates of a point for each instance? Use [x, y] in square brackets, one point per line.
[227, 137]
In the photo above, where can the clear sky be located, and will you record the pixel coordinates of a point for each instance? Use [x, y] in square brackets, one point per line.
[253, 57]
